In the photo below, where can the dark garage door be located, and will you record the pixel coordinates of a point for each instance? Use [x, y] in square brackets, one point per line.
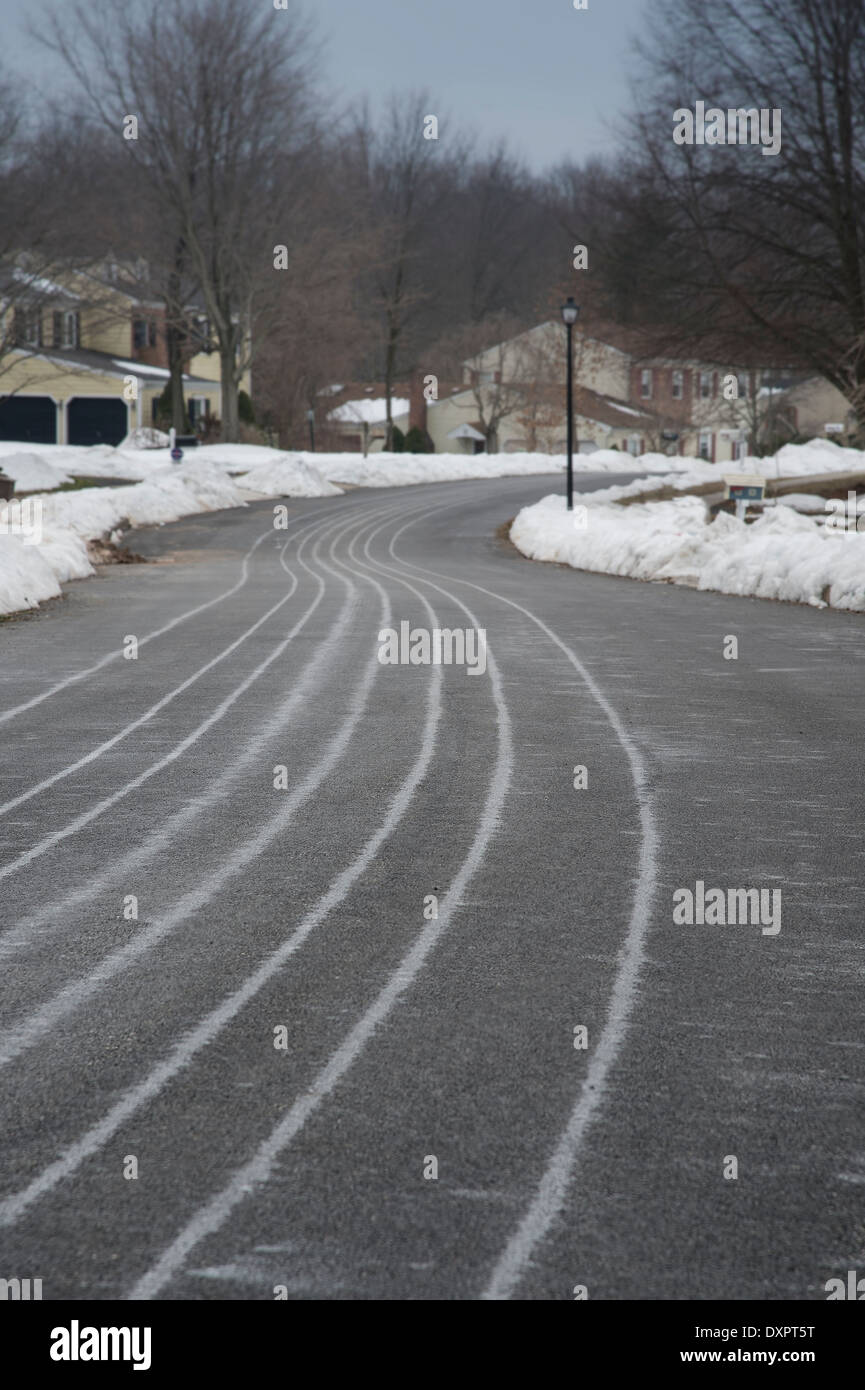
[32, 419]
[97, 420]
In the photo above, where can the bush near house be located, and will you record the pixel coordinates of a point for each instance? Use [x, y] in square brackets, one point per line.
[164, 413]
[417, 441]
[245, 408]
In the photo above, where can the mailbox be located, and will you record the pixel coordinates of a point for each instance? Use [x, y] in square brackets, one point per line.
[743, 487]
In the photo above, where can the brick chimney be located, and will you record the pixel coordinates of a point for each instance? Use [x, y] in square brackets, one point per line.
[417, 402]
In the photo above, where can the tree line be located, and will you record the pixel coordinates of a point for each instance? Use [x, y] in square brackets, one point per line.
[324, 245]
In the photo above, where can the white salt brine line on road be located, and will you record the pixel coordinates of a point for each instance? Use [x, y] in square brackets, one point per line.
[17, 1037]
[216, 1212]
[49, 841]
[160, 704]
[173, 825]
[552, 1191]
[12, 1207]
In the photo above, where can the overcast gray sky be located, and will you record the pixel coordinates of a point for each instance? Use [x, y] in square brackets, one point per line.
[545, 75]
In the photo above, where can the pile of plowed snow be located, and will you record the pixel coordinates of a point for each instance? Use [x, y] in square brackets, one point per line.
[31, 473]
[287, 477]
[216, 476]
[782, 555]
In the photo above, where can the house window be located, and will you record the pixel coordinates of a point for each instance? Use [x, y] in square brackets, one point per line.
[646, 383]
[705, 445]
[678, 385]
[28, 327]
[706, 385]
[744, 384]
[634, 445]
[69, 330]
[199, 409]
[143, 333]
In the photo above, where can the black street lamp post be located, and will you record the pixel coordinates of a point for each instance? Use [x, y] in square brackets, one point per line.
[570, 313]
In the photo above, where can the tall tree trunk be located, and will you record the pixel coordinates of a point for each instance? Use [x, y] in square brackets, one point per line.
[389, 369]
[174, 340]
[230, 380]
[175, 367]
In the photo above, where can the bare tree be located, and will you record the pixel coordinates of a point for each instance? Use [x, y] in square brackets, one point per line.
[213, 99]
[499, 225]
[762, 255]
[37, 176]
[322, 337]
[401, 170]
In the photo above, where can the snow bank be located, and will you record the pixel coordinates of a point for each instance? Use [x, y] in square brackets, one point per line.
[145, 437]
[793, 461]
[669, 540]
[400, 470]
[800, 502]
[97, 511]
[31, 574]
[33, 473]
[782, 555]
[287, 477]
[33, 568]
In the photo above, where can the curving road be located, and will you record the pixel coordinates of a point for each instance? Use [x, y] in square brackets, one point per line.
[244, 1055]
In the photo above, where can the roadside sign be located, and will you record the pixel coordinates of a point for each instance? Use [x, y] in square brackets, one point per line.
[177, 455]
[834, 429]
[743, 487]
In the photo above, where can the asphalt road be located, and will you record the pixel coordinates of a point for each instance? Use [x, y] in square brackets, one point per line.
[285, 1036]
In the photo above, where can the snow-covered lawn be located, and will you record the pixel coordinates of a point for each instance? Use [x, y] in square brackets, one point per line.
[155, 490]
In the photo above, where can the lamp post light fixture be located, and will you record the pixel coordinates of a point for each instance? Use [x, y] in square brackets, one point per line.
[570, 314]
